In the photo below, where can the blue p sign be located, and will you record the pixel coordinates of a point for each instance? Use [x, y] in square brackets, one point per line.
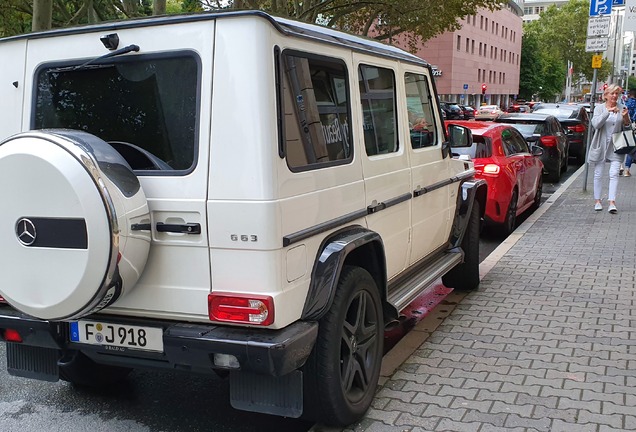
[600, 7]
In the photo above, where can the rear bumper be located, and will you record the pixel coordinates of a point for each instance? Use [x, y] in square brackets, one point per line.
[187, 346]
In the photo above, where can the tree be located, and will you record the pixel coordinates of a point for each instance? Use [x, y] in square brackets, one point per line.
[42, 14]
[382, 20]
[560, 34]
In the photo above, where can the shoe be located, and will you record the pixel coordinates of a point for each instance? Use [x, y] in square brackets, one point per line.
[626, 174]
[598, 207]
[620, 172]
[612, 209]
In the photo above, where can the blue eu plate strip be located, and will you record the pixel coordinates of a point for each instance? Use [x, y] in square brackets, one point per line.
[74, 332]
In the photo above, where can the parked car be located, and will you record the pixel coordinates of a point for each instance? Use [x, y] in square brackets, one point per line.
[132, 236]
[575, 119]
[546, 131]
[468, 111]
[488, 112]
[519, 108]
[452, 110]
[512, 169]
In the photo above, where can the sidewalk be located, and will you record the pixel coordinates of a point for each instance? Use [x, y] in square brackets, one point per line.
[546, 342]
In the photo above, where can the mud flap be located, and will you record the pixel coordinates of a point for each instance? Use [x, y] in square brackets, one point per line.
[32, 362]
[281, 396]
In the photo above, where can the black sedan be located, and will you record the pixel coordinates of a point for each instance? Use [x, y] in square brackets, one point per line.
[546, 131]
[575, 120]
[452, 110]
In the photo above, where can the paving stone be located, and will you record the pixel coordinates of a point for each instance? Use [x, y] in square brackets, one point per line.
[615, 421]
[456, 426]
[412, 407]
[417, 422]
[559, 425]
[424, 399]
[592, 406]
[514, 420]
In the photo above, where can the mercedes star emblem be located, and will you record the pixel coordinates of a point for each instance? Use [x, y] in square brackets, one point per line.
[25, 229]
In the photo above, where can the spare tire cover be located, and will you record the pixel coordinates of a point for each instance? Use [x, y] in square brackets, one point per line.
[70, 205]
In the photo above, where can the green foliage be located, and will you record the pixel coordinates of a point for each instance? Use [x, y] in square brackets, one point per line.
[422, 19]
[15, 17]
[559, 34]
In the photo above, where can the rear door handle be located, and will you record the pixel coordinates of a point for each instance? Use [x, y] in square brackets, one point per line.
[187, 228]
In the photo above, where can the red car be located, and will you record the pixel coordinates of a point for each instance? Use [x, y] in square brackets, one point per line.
[512, 170]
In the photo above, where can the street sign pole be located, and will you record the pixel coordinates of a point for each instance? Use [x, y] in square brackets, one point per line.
[590, 129]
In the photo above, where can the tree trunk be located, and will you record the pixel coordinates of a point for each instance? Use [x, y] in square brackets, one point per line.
[159, 7]
[42, 14]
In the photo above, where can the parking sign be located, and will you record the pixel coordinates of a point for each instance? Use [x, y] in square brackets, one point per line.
[600, 7]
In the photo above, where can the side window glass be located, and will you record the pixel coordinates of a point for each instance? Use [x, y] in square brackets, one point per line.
[377, 95]
[316, 112]
[420, 111]
[507, 139]
[521, 143]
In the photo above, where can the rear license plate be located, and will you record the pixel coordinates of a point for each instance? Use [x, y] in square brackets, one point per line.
[117, 335]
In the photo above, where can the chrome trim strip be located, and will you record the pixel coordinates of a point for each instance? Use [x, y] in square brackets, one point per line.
[341, 220]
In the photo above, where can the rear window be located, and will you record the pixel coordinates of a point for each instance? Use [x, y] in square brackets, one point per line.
[145, 106]
[481, 148]
[559, 113]
[529, 128]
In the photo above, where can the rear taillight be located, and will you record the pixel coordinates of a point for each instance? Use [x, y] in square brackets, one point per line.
[579, 128]
[241, 309]
[2, 300]
[491, 169]
[549, 141]
[11, 335]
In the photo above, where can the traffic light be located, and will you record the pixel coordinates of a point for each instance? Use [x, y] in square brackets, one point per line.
[483, 88]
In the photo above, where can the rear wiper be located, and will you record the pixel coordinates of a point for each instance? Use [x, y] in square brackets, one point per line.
[89, 64]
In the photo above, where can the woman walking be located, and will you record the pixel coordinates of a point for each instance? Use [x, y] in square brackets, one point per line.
[608, 118]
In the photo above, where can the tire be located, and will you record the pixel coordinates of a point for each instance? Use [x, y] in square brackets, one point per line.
[538, 194]
[580, 158]
[564, 167]
[341, 374]
[82, 371]
[555, 176]
[511, 215]
[465, 277]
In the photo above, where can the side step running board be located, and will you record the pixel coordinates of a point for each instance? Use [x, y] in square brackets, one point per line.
[408, 289]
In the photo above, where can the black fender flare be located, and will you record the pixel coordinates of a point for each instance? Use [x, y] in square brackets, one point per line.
[469, 191]
[355, 245]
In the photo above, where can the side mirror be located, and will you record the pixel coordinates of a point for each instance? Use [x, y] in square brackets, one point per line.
[536, 150]
[460, 136]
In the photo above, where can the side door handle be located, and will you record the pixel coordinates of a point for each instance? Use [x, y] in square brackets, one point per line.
[186, 228]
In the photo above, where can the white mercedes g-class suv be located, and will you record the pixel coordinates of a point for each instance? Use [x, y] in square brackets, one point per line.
[224, 193]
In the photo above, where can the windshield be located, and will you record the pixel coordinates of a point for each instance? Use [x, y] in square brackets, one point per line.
[145, 105]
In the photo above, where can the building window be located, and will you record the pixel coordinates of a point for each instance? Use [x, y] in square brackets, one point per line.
[480, 46]
[472, 46]
[467, 44]
[481, 22]
[459, 42]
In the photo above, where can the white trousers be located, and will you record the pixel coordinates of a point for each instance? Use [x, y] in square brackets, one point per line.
[599, 168]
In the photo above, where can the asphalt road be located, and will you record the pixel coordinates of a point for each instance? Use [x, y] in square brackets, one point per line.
[149, 401]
